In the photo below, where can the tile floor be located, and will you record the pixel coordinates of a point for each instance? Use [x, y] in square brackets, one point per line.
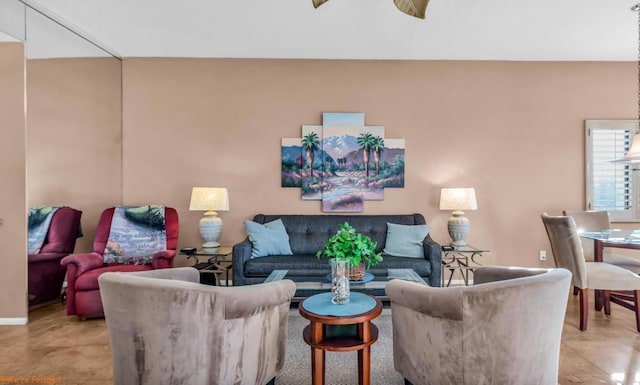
[55, 346]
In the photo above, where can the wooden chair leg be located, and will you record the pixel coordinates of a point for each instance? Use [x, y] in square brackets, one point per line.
[607, 302]
[584, 308]
[575, 290]
[637, 308]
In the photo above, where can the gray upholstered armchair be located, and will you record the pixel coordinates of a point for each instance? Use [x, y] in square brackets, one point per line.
[165, 328]
[505, 329]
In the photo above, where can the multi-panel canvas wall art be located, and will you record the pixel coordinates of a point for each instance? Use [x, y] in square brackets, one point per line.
[343, 162]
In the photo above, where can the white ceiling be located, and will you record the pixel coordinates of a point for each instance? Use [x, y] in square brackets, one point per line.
[359, 29]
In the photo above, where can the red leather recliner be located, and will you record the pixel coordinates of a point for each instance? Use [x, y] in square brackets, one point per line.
[83, 293]
[44, 270]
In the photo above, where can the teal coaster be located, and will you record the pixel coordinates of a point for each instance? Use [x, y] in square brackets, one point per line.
[320, 304]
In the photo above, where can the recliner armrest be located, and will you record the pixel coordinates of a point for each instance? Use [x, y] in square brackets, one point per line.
[241, 254]
[83, 262]
[433, 253]
[44, 257]
[163, 259]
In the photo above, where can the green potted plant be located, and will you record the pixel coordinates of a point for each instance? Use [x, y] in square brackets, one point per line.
[358, 249]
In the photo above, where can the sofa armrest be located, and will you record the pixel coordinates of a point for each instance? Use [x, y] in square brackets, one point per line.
[241, 254]
[45, 257]
[433, 254]
[163, 259]
[83, 262]
[445, 303]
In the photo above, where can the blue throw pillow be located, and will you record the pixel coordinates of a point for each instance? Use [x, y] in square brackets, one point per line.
[405, 240]
[268, 239]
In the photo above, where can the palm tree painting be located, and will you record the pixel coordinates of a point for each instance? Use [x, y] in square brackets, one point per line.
[377, 147]
[312, 172]
[310, 144]
[334, 162]
[365, 141]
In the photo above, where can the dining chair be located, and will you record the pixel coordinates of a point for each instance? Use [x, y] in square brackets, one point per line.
[598, 221]
[619, 285]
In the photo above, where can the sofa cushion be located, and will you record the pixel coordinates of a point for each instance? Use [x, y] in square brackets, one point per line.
[89, 280]
[296, 264]
[405, 240]
[268, 239]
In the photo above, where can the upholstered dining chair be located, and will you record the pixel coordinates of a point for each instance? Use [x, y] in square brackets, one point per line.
[619, 285]
[83, 270]
[597, 221]
[166, 328]
[505, 329]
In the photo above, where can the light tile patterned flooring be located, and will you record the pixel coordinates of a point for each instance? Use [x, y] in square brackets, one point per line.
[56, 346]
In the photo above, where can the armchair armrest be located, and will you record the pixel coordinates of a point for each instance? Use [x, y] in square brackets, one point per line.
[434, 302]
[486, 274]
[44, 257]
[433, 253]
[246, 300]
[241, 254]
[83, 262]
[163, 259]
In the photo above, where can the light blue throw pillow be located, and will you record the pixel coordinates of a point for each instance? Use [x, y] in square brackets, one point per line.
[268, 239]
[405, 240]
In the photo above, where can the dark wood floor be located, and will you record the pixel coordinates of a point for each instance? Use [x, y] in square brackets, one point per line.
[54, 345]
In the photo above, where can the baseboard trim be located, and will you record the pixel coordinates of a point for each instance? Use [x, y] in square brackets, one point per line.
[13, 321]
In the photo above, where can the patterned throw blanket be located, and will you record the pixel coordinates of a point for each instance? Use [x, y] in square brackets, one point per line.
[39, 221]
[137, 232]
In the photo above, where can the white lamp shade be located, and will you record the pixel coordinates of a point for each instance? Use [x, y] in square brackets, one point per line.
[458, 199]
[209, 198]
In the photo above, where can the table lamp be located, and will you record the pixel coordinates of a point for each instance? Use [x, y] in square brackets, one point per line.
[209, 199]
[458, 199]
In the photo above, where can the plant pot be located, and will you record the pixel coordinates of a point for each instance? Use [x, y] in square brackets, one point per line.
[356, 273]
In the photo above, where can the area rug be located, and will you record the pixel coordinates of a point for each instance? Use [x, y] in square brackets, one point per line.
[341, 367]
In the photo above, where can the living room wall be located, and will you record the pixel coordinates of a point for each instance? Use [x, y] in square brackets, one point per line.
[512, 130]
[74, 136]
[13, 224]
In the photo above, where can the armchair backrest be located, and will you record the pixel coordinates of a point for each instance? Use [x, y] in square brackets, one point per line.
[104, 227]
[566, 247]
[63, 231]
[507, 329]
[238, 334]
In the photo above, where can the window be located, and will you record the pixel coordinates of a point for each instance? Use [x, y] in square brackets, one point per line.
[611, 186]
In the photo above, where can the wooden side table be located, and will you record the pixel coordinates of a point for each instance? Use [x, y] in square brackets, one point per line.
[321, 335]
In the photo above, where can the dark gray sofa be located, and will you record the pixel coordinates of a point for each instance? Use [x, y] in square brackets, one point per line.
[309, 233]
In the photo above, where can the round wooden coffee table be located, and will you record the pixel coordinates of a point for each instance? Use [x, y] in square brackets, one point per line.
[350, 330]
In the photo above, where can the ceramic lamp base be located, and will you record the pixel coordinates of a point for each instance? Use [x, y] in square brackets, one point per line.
[210, 229]
[458, 227]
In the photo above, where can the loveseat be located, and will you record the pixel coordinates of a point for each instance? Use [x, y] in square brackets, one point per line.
[309, 233]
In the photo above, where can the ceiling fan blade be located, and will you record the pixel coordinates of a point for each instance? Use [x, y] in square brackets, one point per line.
[317, 3]
[415, 8]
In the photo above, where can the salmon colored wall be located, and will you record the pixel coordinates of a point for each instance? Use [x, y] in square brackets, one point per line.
[512, 130]
[74, 136]
[13, 209]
